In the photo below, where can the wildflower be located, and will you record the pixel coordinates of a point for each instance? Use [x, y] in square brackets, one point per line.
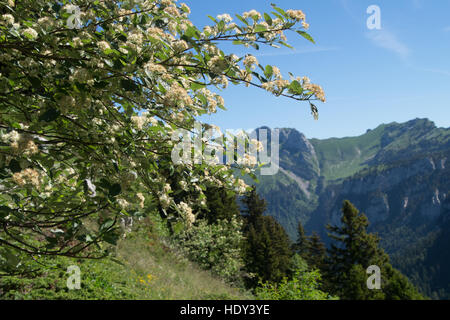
[153, 121]
[241, 186]
[187, 212]
[276, 72]
[183, 185]
[45, 22]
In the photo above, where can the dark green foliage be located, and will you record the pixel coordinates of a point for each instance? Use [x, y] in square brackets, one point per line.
[311, 249]
[427, 260]
[222, 205]
[303, 285]
[267, 252]
[352, 252]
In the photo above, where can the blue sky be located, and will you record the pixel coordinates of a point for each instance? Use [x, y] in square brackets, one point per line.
[398, 73]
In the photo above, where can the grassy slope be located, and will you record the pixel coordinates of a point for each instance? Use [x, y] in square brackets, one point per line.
[149, 269]
[341, 158]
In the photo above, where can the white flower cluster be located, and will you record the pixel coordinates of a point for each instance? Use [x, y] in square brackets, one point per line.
[250, 61]
[8, 19]
[276, 86]
[213, 100]
[225, 17]
[27, 176]
[187, 213]
[241, 186]
[314, 88]
[218, 64]
[255, 15]
[20, 143]
[141, 198]
[140, 121]
[177, 96]
[30, 32]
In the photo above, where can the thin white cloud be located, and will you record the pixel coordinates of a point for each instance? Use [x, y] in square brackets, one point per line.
[447, 29]
[444, 72]
[296, 51]
[389, 41]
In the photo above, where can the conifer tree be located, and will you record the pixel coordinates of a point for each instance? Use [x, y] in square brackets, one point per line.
[221, 203]
[311, 249]
[352, 253]
[317, 252]
[267, 249]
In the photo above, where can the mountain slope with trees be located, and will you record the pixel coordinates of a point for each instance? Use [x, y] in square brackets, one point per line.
[397, 174]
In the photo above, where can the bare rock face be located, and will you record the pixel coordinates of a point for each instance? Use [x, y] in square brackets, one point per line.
[297, 154]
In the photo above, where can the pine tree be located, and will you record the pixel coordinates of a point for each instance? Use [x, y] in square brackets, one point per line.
[267, 249]
[222, 205]
[352, 253]
[317, 252]
[301, 246]
[310, 248]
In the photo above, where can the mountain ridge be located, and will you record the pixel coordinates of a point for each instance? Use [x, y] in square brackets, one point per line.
[398, 174]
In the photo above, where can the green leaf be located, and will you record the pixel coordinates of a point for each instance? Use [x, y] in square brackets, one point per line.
[197, 85]
[306, 36]
[260, 28]
[106, 225]
[268, 72]
[221, 25]
[190, 32]
[268, 19]
[286, 45]
[212, 18]
[242, 19]
[295, 87]
[281, 11]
